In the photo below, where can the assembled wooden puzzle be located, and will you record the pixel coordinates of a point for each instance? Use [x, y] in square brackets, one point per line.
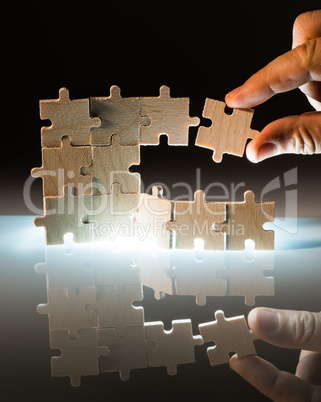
[88, 191]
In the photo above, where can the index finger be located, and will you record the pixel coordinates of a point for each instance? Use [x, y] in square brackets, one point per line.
[289, 71]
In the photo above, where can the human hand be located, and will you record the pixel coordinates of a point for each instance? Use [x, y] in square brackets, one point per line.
[287, 329]
[298, 68]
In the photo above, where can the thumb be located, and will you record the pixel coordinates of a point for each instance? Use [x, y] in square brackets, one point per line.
[292, 134]
[287, 328]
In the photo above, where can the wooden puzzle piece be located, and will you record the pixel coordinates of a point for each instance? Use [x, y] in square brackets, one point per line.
[154, 266]
[118, 116]
[110, 216]
[68, 271]
[228, 133]
[117, 310]
[168, 116]
[65, 215]
[195, 219]
[245, 277]
[126, 353]
[152, 213]
[197, 277]
[68, 117]
[230, 335]
[79, 356]
[110, 165]
[68, 313]
[245, 221]
[61, 167]
[173, 347]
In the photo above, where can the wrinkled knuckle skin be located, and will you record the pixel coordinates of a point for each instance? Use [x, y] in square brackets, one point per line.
[302, 142]
[306, 328]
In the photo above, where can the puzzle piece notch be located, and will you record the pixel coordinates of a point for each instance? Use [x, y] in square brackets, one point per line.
[79, 357]
[245, 221]
[61, 167]
[196, 219]
[168, 116]
[110, 165]
[173, 347]
[118, 116]
[68, 117]
[68, 313]
[230, 335]
[117, 310]
[228, 133]
[65, 215]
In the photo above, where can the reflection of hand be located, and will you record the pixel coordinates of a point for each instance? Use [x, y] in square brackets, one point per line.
[300, 67]
[288, 329]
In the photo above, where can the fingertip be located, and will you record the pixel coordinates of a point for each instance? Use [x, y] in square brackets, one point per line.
[251, 152]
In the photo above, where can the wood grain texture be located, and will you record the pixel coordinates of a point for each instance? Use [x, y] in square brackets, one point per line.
[195, 220]
[61, 166]
[68, 117]
[118, 116]
[245, 221]
[228, 133]
[110, 165]
[168, 116]
[230, 335]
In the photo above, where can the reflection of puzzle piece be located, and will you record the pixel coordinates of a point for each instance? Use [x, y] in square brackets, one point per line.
[197, 278]
[245, 221]
[126, 353]
[115, 268]
[68, 313]
[65, 215]
[117, 310]
[154, 267]
[228, 133]
[61, 167]
[110, 217]
[246, 277]
[118, 116]
[173, 347]
[153, 211]
[68, 117]
[168, 116]
[68, 270]
[195, 219]
[230, 335]
[110, 165]
[79, 356]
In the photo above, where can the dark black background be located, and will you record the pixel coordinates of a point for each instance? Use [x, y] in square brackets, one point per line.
[199, 49]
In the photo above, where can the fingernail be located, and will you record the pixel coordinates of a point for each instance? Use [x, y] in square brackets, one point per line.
[268, 321]
[266, 151]
[234, 92]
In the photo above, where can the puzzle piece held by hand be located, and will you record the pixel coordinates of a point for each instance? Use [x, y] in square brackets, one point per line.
[228, 133]
[168, 116]
[68, 117]
[230, 335]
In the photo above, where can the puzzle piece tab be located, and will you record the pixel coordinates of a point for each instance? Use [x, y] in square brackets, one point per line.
[68, 117]
[230, 335]
[196, 219]
[245, 221]
[118, 116]
[168, 116]
[61, 167]
[228, 133]
[173, 347]
[110, 165]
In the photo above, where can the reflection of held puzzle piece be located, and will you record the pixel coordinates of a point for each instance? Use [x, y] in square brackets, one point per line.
[245, 221]
[68, 117]
[228, 133]
[230, 335]
[168, 116]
